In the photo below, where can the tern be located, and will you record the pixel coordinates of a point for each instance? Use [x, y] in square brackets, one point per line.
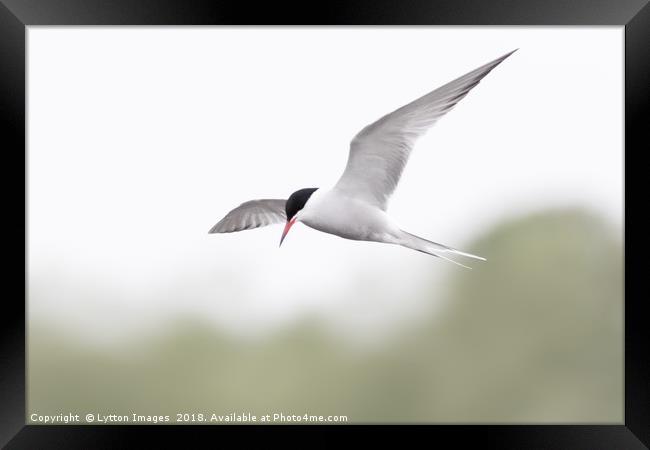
[355, 207]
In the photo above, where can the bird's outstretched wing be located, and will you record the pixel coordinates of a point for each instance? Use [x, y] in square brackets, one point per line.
[252, 214]
[379, 152]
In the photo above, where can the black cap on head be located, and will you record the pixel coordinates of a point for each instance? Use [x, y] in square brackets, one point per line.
[297, 201]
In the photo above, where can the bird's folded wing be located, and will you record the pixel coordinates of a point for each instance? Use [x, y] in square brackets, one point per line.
[252, 214]
[379, 152]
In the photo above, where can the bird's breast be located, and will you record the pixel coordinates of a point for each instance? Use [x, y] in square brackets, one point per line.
[345, 217]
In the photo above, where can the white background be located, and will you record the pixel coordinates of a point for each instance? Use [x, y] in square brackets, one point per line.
[141, 139]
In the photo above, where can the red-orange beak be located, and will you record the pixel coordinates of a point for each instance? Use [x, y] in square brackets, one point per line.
[287, 227]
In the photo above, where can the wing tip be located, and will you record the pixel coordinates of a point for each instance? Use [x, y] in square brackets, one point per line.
[216, 229]
[507, 55]
[500, 59]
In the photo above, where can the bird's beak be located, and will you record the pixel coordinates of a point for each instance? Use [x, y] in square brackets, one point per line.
[287, 227]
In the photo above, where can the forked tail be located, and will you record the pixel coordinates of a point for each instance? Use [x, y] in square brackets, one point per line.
[433, 248]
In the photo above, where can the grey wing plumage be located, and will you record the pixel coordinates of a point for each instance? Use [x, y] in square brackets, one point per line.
[379, 152]
[252, 214]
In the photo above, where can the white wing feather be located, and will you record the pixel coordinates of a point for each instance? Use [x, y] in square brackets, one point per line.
[252, 214]
[379, 152]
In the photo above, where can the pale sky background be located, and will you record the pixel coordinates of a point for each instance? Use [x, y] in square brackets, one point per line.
[140, 139]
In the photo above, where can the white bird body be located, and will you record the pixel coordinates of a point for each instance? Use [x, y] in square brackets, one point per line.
[355, 207]
[333, 212]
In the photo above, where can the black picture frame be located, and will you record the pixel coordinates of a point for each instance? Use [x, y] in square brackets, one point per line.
[16, 15]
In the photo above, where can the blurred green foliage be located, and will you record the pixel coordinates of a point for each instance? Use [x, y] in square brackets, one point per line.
[534, 335]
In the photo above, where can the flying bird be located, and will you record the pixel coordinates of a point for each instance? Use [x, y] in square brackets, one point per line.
[355, 207]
